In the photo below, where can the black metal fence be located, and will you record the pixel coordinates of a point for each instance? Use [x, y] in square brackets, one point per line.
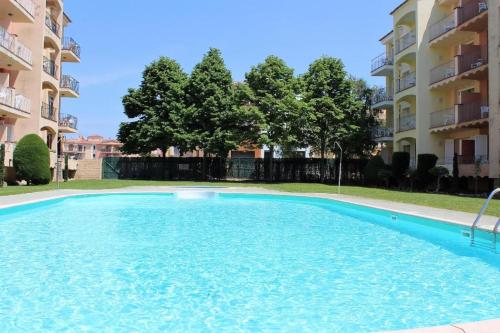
[251, 169]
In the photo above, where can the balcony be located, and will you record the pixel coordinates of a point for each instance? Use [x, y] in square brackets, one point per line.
[442, 27]
[50, 67]
[406, 41]
[406, 82]
[14, 105]
[49, 111]
[382, 65]
[381, 133]
[443, 72]
[406, 123]
[382, 100]
[22, 11]
[13, 54]
[70, 87]
[70, 50]
[460, 116]
[68, 123]
[473, 15]
[52, 24]
[473, 62]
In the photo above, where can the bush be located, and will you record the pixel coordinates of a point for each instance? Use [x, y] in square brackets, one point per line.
[386, 176]
[66, 168]
[439, 172]
[425, 163]
[371, 171]
[400, 165]
[32, 160]
[2, 162]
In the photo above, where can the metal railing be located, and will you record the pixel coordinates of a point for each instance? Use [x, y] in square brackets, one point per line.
[472, 111]
[407, 82]
[471, 9]
[443, 117]
[443, 72]
[472, 159]
[381, 61]
[50, 67]
[28, 5]
[49, 111]
[473, 58]
[406, 123]
[69, 82]
[69, 44]
[478, 218]
[52, 24]
[382, 96]
[441, 27]
[405, 41]
[9, 97]
[67, 120]
[382, 132]
[12, 44]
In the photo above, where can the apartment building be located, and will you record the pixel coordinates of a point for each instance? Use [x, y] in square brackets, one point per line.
[33, 49]
[91, 148]
[442, 69]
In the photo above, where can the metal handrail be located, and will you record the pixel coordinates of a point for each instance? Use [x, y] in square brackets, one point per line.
[495, 232]
[481, 213]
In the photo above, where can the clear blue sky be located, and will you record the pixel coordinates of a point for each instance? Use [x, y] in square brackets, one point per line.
[118, 38]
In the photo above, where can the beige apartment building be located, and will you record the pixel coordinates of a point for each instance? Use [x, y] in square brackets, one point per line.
[93, 147]
[33, 48]
[442, 69]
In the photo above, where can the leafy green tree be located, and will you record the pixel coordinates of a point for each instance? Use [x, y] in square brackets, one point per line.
[275, 94]
[32, 160]
[154, 108]
[331, 107]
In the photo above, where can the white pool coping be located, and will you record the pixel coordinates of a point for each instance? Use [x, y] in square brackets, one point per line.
[443, 215]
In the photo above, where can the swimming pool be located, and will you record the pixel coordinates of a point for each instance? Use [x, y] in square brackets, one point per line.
[250, 263]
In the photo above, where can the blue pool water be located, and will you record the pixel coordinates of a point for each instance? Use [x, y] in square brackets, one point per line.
[237, 263]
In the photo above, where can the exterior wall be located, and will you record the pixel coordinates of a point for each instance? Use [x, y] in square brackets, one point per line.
[89, 170]
[33, 82]
[466, 84]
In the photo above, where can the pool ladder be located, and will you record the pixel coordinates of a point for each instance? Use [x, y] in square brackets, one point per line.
[473, 241]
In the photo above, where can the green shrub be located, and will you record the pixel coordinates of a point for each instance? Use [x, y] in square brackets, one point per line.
[375, 164]
[439, 172]
[400, 165]
[425, 163]
[2, 163]
[386, 176]
[32, 160]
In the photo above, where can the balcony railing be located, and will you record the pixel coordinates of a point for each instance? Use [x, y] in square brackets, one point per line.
[406, 123]
[382, 96]
[381, 61]
[49, 111]
[69, 82]
[69, 44]
[443, 117]
[472, 159]
[11, 43]
[443, 72]
[67, 120]
[474, 57]
[28, 5]
[50, 67]
[52, 24]
[382, 132]
[471, 9]
[472, 111]
[443, 26]
[9, 98]
[407, 40]
[407, 82]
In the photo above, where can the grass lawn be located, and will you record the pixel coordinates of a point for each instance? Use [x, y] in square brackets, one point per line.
[465, 204]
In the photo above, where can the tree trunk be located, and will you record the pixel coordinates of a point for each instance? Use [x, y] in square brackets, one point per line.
[271, 173]
[204, 167]
[322, 163]
[438, 184]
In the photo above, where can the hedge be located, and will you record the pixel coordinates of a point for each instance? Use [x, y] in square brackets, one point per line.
[32, 160]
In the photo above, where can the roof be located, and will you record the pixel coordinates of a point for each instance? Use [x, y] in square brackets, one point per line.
[386, 35]
[401, 5]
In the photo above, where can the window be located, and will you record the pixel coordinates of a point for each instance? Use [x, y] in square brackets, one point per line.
[10, 133]
[50, 138]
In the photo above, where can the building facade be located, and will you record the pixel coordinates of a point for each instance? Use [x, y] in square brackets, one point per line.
[442, 69]
[33, 49]
[91, 148]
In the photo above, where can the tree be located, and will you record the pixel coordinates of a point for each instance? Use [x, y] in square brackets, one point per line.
[331, 107]
[2, 168]
[439, 172]
[154, 108]
[32, 160]
[275, 94]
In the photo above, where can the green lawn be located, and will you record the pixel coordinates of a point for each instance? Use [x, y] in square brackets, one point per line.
[465, 204]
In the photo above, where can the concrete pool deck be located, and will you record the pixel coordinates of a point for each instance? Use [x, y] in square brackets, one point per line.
[448, 216]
